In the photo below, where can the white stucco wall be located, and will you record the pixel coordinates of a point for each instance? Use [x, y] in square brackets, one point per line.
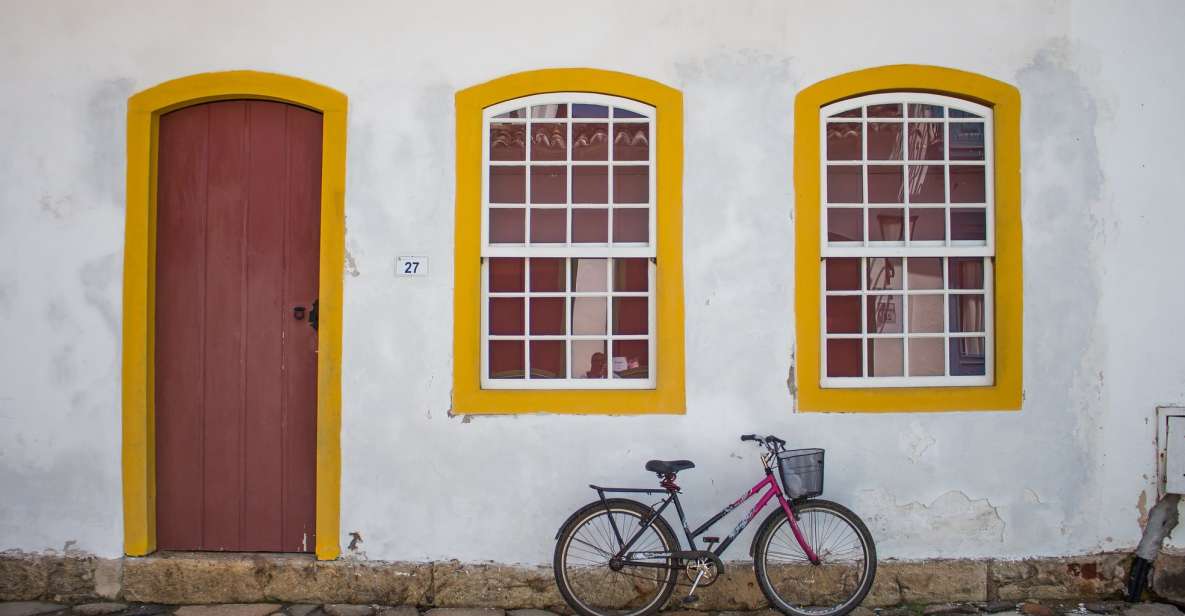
[1102, 215]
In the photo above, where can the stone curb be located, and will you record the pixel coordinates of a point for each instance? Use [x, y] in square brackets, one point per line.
[194, 579]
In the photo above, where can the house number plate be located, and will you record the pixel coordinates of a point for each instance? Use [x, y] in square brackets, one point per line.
[411, 266]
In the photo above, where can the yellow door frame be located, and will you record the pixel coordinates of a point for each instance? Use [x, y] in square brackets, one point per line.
[139, 459]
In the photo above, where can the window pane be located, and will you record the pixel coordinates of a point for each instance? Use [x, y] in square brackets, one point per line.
[631, 141]
[634, 355]
[507, 141]
[631, 275]
[506, 275]
[506, 316]
[884, 141]
[547, 275]
[549, 184]
[884, 273]
[917, 110]
[966, 141]
[548, 226]
[549, 141]
[508, 226]
[845, 224]
[925, 141]
[884, 111]
[851, 113]
[507, 360]
[517, 113]
[968, 224]
[630, 315]
[590, 226]
[843, 141]
[884, 184]
[966, 273]
[886, 357]
[844, 358]
[589, 315]
[550, 111]
[547, 359]
[966, 313]
[547, 316]
[631, 184]
[590, 184]
[580, 110]
[845, 184]
[925, 314]
[508, 185]
[590, 141]
[843, 274]
[590, 275]
[966, 184]
[886, 224]
[956, 113]
[927, 224]
[843, 314]
[631, 225]
[926, 184]
[588, 359]
[925, 273]
[625, 113]
[967, 357]
[884, 314]
[925, 357]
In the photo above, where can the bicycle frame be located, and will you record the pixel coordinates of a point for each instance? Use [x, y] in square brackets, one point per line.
[673, 496]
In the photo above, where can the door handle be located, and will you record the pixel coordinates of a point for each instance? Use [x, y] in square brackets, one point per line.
[313, 314]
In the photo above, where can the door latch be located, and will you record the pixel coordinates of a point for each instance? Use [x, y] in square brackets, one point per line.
[298, 313]
[313, 314]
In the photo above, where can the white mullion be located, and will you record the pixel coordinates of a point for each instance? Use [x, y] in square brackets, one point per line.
[611, 203]
[609, 324]
[568, 303]
[863, 318]
[946, 316]
[568, 174]
[530, 173]
[906, 326]
[527, 319]
[864, 182]
[823, 322]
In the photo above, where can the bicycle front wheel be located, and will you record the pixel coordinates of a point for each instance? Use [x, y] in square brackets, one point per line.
[592, 582]
[847, 561]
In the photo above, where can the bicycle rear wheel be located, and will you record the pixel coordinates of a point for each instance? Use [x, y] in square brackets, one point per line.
[587, 543]
[846, 553]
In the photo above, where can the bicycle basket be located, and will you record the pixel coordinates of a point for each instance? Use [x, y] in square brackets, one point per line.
[802, 472]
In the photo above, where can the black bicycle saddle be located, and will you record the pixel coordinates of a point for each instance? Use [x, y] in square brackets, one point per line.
[669, 467]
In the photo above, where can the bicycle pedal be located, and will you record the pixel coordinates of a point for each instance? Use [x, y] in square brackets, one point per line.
[690, 599]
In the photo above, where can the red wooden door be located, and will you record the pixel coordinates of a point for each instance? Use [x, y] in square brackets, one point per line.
[237, 246]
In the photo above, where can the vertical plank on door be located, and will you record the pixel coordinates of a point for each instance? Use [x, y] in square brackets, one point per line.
[263, 422]
[225, 271]
[300, 349]
[180, 304]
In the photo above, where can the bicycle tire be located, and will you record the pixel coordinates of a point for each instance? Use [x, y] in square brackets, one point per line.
[796, 587]
[585, 586]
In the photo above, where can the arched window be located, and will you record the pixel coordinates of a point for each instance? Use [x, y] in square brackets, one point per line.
[909, 288]
[907, 248]
[568, 243]
[568, 272]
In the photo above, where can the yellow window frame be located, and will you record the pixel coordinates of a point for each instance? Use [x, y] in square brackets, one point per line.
[668, 396]
[1005, 393]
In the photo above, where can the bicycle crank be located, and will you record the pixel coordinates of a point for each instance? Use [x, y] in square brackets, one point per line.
[702, 573]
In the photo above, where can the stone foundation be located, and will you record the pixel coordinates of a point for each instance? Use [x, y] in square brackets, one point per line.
[203, 578]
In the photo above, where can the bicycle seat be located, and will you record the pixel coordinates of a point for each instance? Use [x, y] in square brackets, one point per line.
[669, 467]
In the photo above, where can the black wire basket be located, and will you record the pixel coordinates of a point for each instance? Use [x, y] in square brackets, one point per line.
[802, 472]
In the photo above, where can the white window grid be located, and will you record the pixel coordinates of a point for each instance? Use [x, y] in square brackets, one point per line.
[947, 292]
[570, 250]
[946, 248]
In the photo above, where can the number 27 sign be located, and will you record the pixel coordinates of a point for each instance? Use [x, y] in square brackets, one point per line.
[411, 266]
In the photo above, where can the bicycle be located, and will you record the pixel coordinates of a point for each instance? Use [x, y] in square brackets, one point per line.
[811, 557]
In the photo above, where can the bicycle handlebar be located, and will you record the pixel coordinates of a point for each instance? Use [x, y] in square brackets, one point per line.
[768, 441]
